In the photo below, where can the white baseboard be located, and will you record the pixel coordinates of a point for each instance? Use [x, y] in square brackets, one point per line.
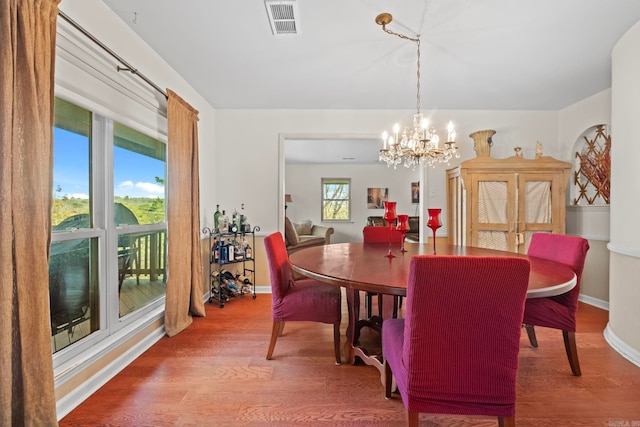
[594, 302]
[629, 353]
[81, 393]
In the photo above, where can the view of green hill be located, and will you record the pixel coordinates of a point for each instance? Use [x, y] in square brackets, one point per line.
[146, 210]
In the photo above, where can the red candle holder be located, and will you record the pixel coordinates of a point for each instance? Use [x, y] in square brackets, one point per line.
[403, 227]
[390, 216]
[434, 223]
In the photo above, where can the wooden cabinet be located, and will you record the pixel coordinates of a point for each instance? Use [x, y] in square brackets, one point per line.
[499, 203]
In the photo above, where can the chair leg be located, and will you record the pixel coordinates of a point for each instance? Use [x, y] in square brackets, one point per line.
[276, 331]
[414, 418]
[507, 421]
[336, 342]
[531, 333]
[281, 328]
[388, 379]
[572, 351]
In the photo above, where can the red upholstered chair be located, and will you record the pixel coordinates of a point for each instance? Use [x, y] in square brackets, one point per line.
[377, 234]
[557, 312]
[372, 234]
[456, 350]
[299, 300]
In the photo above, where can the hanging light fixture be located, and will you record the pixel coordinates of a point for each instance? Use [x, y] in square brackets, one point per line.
[419, 144]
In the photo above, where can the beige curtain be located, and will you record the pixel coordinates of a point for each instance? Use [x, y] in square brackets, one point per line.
[184, 285]
[27, 55]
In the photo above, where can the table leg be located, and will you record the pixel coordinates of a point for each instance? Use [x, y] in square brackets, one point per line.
[353, 333]
[353, 347]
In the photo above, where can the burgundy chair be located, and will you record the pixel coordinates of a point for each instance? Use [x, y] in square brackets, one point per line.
[557, 312]
[299, 300]
[378, 234]
[456, 350]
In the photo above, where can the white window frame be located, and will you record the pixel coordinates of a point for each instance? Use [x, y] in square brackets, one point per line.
[87, 77]
[322, 199]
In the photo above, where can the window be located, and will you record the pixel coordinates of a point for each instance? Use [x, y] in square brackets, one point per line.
[138, 177]
[107, 250]
[336, 199]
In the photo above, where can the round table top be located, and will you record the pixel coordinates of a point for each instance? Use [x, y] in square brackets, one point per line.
[364, 266]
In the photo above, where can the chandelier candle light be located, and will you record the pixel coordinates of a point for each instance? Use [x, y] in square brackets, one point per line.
[418, 144]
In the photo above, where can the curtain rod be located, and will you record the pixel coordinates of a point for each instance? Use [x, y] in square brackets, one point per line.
[127, 66]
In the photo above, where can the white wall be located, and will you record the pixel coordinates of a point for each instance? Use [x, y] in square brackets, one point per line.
[249, 169]
[302, 181]
[623, 331]
[590, 222]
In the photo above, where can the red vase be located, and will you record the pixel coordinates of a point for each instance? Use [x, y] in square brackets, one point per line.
[434, 223]
[403, 227]
[390, 216]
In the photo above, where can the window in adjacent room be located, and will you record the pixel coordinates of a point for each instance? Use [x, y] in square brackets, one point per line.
[336, 199]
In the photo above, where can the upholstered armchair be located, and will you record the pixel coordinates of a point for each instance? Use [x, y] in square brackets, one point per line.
[304, 234]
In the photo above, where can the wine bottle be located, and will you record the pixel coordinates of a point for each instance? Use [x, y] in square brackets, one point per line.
[216, 218]
[214, 251]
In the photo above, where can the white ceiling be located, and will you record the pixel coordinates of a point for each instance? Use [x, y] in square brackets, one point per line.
[476, 54]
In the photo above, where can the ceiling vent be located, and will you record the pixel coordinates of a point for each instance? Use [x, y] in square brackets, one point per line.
[282, 17]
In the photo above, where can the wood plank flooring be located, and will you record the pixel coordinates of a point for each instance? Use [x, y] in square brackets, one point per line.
[215, 374]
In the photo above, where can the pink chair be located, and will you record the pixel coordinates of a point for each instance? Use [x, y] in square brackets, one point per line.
[456, 350]
[299, 300]
[557, 312]
[378, 234]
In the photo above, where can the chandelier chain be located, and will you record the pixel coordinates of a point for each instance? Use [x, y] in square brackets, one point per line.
[416, 40]
[419, 143]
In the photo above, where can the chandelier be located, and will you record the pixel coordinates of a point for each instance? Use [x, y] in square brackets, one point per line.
[418, 144]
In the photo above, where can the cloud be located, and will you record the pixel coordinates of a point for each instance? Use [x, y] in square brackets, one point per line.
[140, 189]
[78, 196]
[151, 187]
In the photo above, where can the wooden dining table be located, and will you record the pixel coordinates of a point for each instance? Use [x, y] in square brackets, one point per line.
[365, 267]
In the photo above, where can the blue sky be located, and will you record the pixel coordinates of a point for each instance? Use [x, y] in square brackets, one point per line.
[134, 174]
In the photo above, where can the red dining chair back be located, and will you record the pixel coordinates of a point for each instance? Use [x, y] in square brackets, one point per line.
[378, 234]
[558, 312]
[456, 350]
[299, 300]
[373, 234]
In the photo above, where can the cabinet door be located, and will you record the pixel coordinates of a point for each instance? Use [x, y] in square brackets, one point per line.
[491, 212]
[540, 205]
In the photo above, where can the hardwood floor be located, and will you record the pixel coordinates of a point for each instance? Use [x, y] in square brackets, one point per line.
[215, 374]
